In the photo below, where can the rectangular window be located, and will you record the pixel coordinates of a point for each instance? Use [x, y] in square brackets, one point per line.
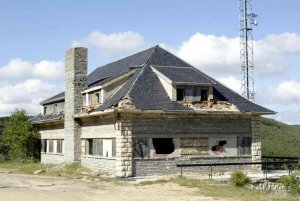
[84, 100]
[98, 97]
[50, 146]
[43, 146]
[141, 148]
[100, 147]
[45, 110]
[244, 145]
[59, 148]
[204, 95]
[55, 108]
[89, 99]
[188, 93]
[180, 94]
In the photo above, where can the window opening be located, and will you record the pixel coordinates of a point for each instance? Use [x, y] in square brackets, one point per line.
[204, 96]
[59, 146]
[244, 145]
[141, 148]
[163, 145]
[219, 147]
[50, 146]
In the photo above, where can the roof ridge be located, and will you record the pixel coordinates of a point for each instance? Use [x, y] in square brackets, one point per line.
[142, 70]
[154, 66]
[151, 54]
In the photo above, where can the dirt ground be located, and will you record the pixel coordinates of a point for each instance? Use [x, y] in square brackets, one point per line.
[36, 188]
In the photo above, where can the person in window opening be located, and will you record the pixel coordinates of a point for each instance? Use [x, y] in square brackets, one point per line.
[219, 147]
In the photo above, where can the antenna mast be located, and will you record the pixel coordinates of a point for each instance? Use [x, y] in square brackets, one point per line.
[247, 20]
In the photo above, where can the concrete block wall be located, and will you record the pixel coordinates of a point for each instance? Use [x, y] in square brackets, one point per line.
[50, 158]
[53, 131]
[75, 82]
[107, 164]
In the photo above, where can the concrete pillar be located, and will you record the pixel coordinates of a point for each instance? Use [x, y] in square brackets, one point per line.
[256, 141]
[75, 82]
[124, 146]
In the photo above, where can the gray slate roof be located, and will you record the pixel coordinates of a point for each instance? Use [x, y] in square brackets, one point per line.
[145, 90]
[184, 75]
[48, 117]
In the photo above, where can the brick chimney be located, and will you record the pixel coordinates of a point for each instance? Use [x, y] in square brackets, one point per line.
[75, 82]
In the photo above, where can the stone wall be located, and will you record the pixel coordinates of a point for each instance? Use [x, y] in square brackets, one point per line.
[256, 141]
[107, 164]
[124, 146]
[204, 125]
[75, 82]
[143, 167]
[50, 158]
[189, 128]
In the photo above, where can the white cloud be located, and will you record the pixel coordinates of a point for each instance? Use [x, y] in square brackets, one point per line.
[18, 68]
[219, 55]
[114, 43]
[285, 92]
[27, 95]
[231, 82]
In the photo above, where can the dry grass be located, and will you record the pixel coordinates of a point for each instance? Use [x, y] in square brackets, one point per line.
[225, 190]
[74, 171]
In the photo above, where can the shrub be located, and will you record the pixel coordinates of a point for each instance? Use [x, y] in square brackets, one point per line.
[291, 183]
[239, 179]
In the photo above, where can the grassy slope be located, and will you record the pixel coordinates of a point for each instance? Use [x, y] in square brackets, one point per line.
[279, 139]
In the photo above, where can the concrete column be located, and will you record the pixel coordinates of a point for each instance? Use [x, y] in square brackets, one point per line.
[75, 82]
[124, 146]
[256, 141]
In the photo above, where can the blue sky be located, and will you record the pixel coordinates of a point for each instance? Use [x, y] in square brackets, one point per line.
[35, 35]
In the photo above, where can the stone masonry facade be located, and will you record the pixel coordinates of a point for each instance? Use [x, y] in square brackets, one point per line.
[126, 126]
[75, 81]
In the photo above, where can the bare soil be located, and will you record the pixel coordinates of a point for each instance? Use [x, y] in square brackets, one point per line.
[36, 188]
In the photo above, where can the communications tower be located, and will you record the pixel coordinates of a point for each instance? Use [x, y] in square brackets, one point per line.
[247, 21]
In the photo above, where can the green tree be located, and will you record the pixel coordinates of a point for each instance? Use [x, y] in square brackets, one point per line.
[19, 137]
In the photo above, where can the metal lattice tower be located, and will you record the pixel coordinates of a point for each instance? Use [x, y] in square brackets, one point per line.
[247, 20]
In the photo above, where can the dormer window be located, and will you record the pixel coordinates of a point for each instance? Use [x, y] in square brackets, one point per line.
[204, 95]
[99, 97]
[55, 107]
[192, 93]
[188, 93]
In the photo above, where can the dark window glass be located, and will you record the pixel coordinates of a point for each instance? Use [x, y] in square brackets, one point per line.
[204, 95]
[244, 145]
[141, 148]
[180, 94]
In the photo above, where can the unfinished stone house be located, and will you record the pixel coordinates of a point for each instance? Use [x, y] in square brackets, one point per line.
[145, 113]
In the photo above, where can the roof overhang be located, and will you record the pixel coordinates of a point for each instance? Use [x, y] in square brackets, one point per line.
[129, 73]
[180, 112]
[52, 101]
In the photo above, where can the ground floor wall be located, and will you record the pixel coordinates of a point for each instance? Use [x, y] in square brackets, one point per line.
[47, 158]
[106, 164]
[119, 140]
[143, 167]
